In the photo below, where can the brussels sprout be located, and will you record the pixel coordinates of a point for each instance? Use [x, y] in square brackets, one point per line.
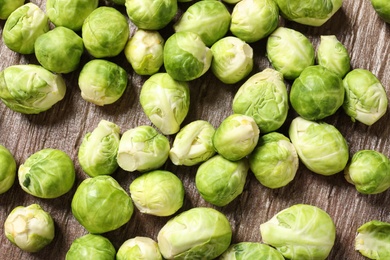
[373, 239]
[165, 101]
[29, 228]
[100, 204]
[274, 162]
[144, 51]
[198, 233]
[118, 2]
[365, 97]
[236, 137]
[253, 20]
[142, 149]
[139, 248]
[30, 89]
[105, 32]
[289, 52]
[251, 250]
[99, 148]
[23, 27]
[382, 8]
[300, 232]
[369, 171]
[7, 169]
[102, 82]
[91, 247]
[219, 181]
[263, 97]
[320, 146]
[8, 6]
[186, 57]
[48, 173]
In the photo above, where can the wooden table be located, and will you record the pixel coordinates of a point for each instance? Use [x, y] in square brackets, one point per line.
[356, 25]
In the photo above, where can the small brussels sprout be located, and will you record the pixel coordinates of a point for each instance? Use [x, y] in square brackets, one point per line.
[373, 239]
[139, 248]
[23, 27]
[102, 82]
[105, 32]
[142, 149]
[300, 232]
[91, 247]
[253, 20]
[264, 97]
[186, 57]
[198, 233]
[369, 171]
[289, 52]
[8, 6]
[29, 228]
[7, 169]
[101, 205]
[365, 97]
[30, 89]
[165, 101]
[251, 250]
[236, 137]
[48, 173]
[382, 8]
[274, 162]
[320, 146]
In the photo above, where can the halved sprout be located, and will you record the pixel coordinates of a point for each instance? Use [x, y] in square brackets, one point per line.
[373, 239]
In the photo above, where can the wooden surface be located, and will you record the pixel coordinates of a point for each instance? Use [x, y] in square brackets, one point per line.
[356, 25]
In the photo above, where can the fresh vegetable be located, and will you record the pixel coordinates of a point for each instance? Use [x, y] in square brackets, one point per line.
[139, 248]
[7, 169]
[372, 239]
[90, 247]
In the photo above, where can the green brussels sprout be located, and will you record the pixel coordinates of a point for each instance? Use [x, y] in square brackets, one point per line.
[30, 89]
[231, 1]
[142, 149]
[219, 181]
[382, 8]
[365, 97]
[369, 171]
[232, 59]
[274, 162]
[139, 248]
[101, 205]
[320, 146]
[30, 228]
[373, 239]
[118, 2]
[209, 19]
[317, 93]
[236, 137]
[165, 101]
[99, 148]
[48, 173]
[264, 97]
[186, 57]
[198, 233]
[58, 45]
[144, 51]
[253, 20]
[91, 247]
[105, 32]
[251, 250]
[7, 169]
[23, 27]
[102, 82]
[289, 52]
[8, 6]
[300, 232]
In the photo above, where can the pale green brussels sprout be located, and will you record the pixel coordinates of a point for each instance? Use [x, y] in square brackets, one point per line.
[253, 20]
[365, 97]
[382, 8]
[142, 148]
[186, 57]
[30, 89]
[23, 27]
[99, 148]
[7, 169]
[91, 247]
[165, 101]
[300, 232]
[263, 97]
[48, 173]
[102, 82]
[143, 248]
[105, 32]
[30, 228]
[198, 233]
[373, 239]
[320, 146]
[101, 205]
[274, 162]
[251, 250]
[369, 171]
[219, 181]
[289, 52]
[8, 6]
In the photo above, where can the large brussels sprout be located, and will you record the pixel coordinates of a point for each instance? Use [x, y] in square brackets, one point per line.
[382, 8]
[198, 233]
[143, 248]
[300, 232]
[373, 239]
[320, 146]
[251, 250]
[30, 228]
[8, 6]
[91, 247]
[7, 169]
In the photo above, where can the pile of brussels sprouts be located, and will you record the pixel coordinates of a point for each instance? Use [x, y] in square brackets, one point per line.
[207, 36]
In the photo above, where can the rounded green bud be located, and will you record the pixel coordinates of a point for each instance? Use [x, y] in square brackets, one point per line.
[251, 250]
[382, 8]
[90, 247]
[139, 248]
[8, 6]
[373, 239]
[7, 169]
